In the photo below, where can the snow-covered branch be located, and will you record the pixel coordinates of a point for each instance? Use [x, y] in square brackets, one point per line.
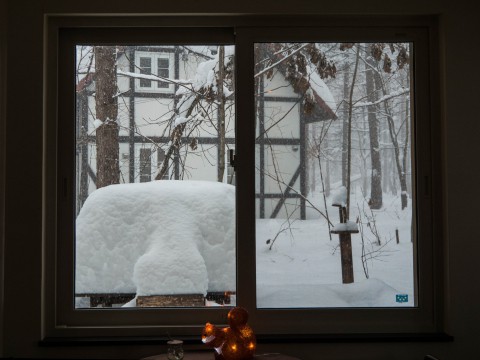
[383, 98]
[153, 77]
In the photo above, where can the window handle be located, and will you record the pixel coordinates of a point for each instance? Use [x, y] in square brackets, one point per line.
[231, 157]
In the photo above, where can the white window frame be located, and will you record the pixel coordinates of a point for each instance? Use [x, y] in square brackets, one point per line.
[154, 56]
[62, 320]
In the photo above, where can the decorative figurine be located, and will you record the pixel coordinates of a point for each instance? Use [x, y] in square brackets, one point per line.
[236, 342]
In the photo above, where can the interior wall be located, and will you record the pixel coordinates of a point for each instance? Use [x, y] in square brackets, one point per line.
[3, 54]
[458, 85]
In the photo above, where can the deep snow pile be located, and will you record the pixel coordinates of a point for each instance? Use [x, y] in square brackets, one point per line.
[161, 237]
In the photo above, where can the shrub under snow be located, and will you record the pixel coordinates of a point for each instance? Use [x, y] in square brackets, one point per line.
[161, 237]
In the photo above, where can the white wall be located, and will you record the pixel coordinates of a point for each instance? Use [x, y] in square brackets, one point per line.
[459, 146]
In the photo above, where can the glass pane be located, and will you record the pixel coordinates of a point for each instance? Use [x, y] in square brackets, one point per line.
[145, 68]
[163, 63]
[155, 205]
[334, 186]
[164, 72]
[145, 165]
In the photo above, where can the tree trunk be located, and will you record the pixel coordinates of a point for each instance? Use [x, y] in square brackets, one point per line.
[106, 108]
[349, 133]
[313, 180]
[221, 114]
[346, 87]
[327, 170]
[376, 192]
[396, 148]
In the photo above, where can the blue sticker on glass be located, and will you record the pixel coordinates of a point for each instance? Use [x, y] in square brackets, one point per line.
[402, 298]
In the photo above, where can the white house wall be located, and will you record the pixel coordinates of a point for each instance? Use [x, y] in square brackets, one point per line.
[200, 164]
[286, 128]
[123, 82]
[290, 208]
[279, 146]
[281, 162]
[153, 111]
[278, 86]
[152, 116]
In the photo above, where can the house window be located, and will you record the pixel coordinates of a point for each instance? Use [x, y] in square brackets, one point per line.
[304, 147]
[145, 69]
[153, 66]
[145, 165]
[163, 71]
[160, 159]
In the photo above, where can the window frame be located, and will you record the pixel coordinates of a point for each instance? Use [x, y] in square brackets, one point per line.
[423, 318]
[64, 32]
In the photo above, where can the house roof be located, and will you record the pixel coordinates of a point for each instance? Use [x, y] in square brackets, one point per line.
[85, 81]
[319, 104]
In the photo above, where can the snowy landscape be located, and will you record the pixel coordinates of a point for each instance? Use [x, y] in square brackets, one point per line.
[155, 198]
[148, 239]
[302, 269]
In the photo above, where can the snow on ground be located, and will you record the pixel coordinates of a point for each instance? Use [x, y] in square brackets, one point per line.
[172, 237]
[162, 237]
[303, 267]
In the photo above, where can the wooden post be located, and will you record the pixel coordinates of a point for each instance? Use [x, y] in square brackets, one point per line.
[346, 258]
[345, 246]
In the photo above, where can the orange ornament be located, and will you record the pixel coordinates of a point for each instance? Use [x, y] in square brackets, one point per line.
[236, 342]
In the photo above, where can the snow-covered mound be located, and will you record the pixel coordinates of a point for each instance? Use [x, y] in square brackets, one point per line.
[161, 237]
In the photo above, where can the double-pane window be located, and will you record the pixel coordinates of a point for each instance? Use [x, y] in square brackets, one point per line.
[275, 170]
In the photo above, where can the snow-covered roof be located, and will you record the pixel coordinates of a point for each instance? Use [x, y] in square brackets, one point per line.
[324, 105]
[85, 82]
[157, 238]
[323, 97]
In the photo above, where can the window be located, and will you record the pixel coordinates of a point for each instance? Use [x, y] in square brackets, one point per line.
[145, 69]
[294, 92]
[334, 135]
[145, 165]
[168, 256]
[163, 70]
[160, 160]
[154, 66]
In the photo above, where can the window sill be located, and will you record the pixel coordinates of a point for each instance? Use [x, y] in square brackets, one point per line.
[261, 339]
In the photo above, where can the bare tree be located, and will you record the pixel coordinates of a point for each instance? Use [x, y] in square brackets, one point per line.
[221, 113]
[106, 108]
[376, 192]
[349, 130]
[402, 59]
